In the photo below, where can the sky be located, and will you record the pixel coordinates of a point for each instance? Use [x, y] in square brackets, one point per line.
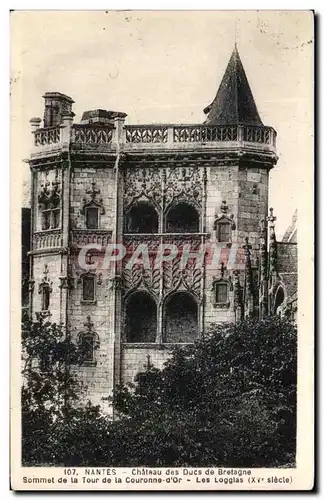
[165, 67]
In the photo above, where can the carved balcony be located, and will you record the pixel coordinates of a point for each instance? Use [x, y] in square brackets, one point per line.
[49, 239]
[82, 237]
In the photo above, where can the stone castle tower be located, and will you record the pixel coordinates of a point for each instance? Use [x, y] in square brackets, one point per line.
[187, 187]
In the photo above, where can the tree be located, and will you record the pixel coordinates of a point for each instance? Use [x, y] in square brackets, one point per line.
[227, 400]
[55, 428]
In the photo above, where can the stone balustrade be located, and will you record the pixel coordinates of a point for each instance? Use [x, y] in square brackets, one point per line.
[47, 136]
[47, 239]
[134, 137]
[82, 237]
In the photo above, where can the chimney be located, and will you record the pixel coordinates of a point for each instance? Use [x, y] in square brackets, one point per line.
[56, 106]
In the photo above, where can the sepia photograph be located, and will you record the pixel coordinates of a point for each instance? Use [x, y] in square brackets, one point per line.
[162, 197]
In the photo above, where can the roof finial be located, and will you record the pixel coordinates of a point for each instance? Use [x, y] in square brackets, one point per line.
[236, 33]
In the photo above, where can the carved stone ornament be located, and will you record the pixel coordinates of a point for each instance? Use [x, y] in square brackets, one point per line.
[66, 282]
[50, 193]
[173, 184]
[142, 184]
[223, 277]
[45, 281]
[92, 201]
[89, 331]
[184, 183]
[224, 216]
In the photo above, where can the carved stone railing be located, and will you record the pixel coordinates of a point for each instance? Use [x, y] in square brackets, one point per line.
[241, 135]
[153, 241]
[47, 239]
[47, 136]
[82, 237]
[261, 135]
[146, 133]
[160, 136]
[92, 134]
[203, 133]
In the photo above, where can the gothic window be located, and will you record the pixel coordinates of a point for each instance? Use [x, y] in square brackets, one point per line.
[92, 217]
[221, 292]
[88, 288]
[140, 318]
[181, 318]
[223, 232]
[142, 218]
[45, 294]
[182, 218]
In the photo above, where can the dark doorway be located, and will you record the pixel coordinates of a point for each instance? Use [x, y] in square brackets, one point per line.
[142, 218]
[182, 218]
[181, 318]
[141, 318]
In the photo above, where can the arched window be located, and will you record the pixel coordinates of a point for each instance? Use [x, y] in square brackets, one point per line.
[279, 298]
[142, 218]
[182, 218]
[140, 318]
[181, 318]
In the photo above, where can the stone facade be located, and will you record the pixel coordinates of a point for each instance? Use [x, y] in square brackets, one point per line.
[187, 187]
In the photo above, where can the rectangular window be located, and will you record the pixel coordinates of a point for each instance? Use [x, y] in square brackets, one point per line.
[56, 218]
[46, 219]
[45, 298]
[88, 289]
[92, 218]
[224, 232]
[87, 348]
[221, 293]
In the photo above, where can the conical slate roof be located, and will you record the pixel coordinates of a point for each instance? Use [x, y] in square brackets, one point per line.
[234, 102]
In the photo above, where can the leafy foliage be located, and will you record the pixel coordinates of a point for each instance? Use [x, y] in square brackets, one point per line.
[227, 400]
[55, 429]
